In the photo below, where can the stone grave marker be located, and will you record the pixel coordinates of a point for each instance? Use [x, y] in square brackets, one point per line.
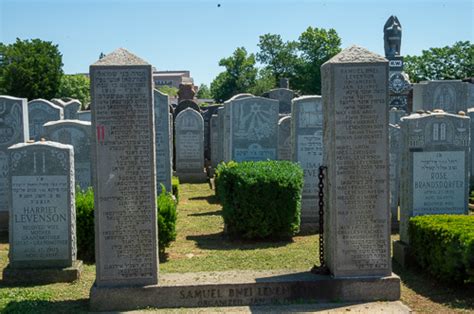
[123, 164]
[220, 134]
[71, 109]
[41, 111]
[253, 129]
[214, 130]
[435, 166]
[284, 138]
[13, 130]
[186, 91]
[395, 115]
[449, 95]
[307, 130]
[78, 135]
[189, 129]
[284, 97]
[43, 215]
[394, 156]
[207, 114]
[470, 113]
[84, 115]
[355, 141]
[163, 146]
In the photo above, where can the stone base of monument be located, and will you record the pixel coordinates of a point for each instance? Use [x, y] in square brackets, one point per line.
[42, 275]
[200, 177]
[401, 254]
[244, 288]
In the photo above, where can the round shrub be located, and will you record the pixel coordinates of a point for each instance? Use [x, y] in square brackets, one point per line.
[260, 199]
[166, 219]
[85, 225]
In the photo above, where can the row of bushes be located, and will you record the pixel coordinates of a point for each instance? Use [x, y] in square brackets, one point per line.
[166, 217]
[260, 199]
[444, 245]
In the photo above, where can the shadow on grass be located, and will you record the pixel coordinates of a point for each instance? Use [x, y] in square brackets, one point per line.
[211, 199]
[456, 296]
[221, 241]
[43, 306]
[214, 213]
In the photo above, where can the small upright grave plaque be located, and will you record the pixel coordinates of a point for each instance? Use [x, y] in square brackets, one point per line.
[41, 111]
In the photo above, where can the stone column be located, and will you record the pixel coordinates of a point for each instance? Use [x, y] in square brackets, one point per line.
[123, 155]
[357, 213]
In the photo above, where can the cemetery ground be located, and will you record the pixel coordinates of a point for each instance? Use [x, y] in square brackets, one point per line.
[201, 246]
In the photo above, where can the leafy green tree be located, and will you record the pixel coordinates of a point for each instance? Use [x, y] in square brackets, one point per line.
[169, 90]
[446, 63]
[204, 92]
[316, 46]
[30, 69]
[280, 58]
[240, 75]
[265, 82]
[75, 86]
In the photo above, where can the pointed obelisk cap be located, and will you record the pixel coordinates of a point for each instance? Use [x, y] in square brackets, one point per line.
[119, 57]
[356, 54]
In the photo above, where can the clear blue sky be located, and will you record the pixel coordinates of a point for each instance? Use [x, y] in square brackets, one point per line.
[195, 34]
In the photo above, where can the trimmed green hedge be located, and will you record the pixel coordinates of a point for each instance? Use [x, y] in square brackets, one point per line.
[260, 199]
[85, 225]
[444, 245]
[166, 219]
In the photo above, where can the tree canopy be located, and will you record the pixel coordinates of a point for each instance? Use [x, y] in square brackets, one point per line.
[75, 86]
[446, 63]
[30, 69]
[204, 92]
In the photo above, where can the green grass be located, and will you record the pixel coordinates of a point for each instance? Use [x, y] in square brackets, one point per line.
[201, 246]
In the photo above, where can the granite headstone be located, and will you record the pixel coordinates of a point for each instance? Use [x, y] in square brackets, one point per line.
[41, 111]
[163, 145]
[189, 129]
[284, 138]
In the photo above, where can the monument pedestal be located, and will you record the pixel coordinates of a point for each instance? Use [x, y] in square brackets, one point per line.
[42, 275]
[241, 288]
[196, 177]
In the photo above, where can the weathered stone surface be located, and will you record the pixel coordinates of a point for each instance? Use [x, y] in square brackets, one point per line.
[13, 129]
[163, 145]
[42, 275]
[220, 134]
[189, 129]
[307, 130]
[470, 113]
[284, 138]
[185, 104]
[394, 156]
[435, 166]
[395, 115]
[253, 129]
[71, 109]
[84, 115]
[450, 95]
[238, 288]
[78, 134]
[214, 130]
[123, 156]
[42, 236]
[186, 91]
[227, 121]
[41, 111]
[284, 97]
[206, 115]
[355, 99]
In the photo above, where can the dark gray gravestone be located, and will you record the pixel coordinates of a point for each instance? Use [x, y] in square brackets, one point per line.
[189, 129]
[214, 130]
[78, 134]
[226, 136]
[395, 115]
[253, 129]
[71, 109]
[435, 166]
[450, 95]
[84, 115]
[284, 138]
[41, 111]
[43, 214]
[394, 155]
[307, 151]
[284, 97]
[163, 146]
[123, 164]
[470, 113]
[355, 99]
[13, 130]
[206, 115]
[220, 134]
